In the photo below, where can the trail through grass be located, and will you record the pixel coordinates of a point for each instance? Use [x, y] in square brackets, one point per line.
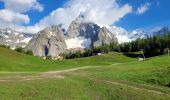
[112, 76]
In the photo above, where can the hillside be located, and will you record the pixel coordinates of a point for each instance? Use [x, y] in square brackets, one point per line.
[106, 77]
[14, 61]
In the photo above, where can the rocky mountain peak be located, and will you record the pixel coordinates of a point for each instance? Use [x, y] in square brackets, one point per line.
[160, 30]
[48, 42]
[82, 34]
[13, 38]
[52, 31]
[104, 37]
[79, 28]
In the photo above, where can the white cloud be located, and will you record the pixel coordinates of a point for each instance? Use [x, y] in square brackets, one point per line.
[38, 7]
[27, 29]
[143, 8]
[102, 12]
[7, 16]
[14, 14]
[22, 5]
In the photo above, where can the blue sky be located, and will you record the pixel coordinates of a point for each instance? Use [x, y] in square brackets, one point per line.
[158, 14]
[130, 14]
[49, 6]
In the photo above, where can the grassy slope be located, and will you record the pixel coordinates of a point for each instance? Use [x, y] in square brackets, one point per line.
[87, 84]
[13, 61]
[151, 74]
[72, 88]
[155, 71]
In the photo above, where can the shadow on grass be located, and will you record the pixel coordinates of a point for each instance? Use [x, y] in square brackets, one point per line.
[168, 85]
[133, 55]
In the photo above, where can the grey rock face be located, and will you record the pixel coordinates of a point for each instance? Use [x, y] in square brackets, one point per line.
[140, 33]
[99, 36]
[104, 37]
[82, 29]
[163, 30]
[52, 41]
[48, 42]
[13, 38]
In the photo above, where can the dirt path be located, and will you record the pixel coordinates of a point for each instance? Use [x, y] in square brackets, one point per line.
[60, 74]
[68, 70]
[139, 87]
[41, 75]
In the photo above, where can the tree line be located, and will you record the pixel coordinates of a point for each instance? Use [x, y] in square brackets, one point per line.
[91, 52]
[151, 46]
[18, 49]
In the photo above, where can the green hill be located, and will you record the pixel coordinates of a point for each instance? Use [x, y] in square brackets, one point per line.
[113, 76]
[15, 62]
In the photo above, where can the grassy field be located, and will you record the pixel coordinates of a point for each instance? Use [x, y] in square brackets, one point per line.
[112, 76]
[16, 62]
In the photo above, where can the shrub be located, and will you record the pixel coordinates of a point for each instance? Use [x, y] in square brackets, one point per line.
[29, 52]
[5, 46]
[20, 50]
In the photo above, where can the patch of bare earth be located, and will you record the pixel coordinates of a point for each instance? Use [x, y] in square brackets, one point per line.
[61, 75]
[42, 75]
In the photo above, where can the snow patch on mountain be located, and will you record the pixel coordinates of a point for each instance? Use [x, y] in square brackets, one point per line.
[78, 42]
[13, 38]
[138, 33]
[6, 36]
[124, 36]
[26, 40]
[121, 34]
[159, 30]
[123, 39]
[16, 33]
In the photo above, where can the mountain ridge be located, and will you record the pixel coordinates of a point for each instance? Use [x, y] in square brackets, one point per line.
[53, 41]
[14, 38]
[80, 35]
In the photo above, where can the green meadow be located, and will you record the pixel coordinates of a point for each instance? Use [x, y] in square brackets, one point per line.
[112, 76]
